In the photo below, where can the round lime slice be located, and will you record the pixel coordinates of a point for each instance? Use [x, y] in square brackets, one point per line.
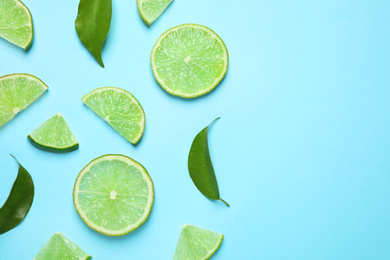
[189, 60]
[113, 195]
[150, 10]
[120, 109]
[197, 243]
[16, 24]
[17, 92]
[54, 135]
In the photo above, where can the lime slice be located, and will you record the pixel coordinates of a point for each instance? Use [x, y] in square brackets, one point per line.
[54, 135]
[113, 195]
[189, 60]
[59, 248]
[17, 91]
[197, 243]
[16, 24]
[150, 10]
[120, 109]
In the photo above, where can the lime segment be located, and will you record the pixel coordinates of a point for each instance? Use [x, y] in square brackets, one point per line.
[189, 60]
[17, 91]
[197, 243]
[113, 195]
[54, 135]
[150, 10]
[16, 24]
[120, 109]
[59, 248]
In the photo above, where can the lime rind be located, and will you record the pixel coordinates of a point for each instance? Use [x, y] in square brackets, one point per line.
[147, 208]
[197, 244]
[215, 82]
[94, 101]
[60, 247]
[14, 98]
[54, 135]
[29, 25]
[150, 10]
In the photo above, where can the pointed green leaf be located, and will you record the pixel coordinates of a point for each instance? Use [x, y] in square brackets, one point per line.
[19, 201]
[201, 168]
[92, 25]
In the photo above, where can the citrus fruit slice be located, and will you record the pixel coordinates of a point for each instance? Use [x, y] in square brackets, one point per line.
[17, 91]
[120, 109]
[54, 135]
[150, 10]
[197, 243]
[16, 24]
[189, 60]
[113, 195]
[59, 248]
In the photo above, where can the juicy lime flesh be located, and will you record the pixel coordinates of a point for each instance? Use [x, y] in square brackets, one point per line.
[15, 23]
[54, 133]
[189, 60]
[114, 195]
[150, 10]
[16, 93]
[197, 243]
[59, 247]
[120, 109]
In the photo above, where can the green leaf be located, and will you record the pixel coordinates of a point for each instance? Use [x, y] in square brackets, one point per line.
[92, 25]
[201, 168]
[19, 201]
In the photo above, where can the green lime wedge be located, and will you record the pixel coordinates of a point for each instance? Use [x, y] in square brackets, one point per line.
[189, 60]
[197, 243]
[120, 109]
[150, 10]
[113, 195]
[54, 135]
[16, 24]
[17, 92]
[60, 248]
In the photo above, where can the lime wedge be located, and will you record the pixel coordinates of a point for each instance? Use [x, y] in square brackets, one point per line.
[197, 243]
[120, 109]
[113, 195]
[150, 10]
[17, 91]
[189, 60]
[16, 24]
[60, 248]
[54, 135]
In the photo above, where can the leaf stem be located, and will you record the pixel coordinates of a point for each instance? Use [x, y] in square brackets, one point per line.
[227, 204]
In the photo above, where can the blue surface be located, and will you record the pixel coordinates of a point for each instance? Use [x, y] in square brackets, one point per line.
[301, 152]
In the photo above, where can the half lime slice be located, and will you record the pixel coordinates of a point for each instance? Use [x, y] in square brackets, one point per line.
[197, 243]
[17, 92]
[54, 135]
[120, 109]
[60, 248]
[113, 195]
[16, 24]
[189, 60]
[150, 10]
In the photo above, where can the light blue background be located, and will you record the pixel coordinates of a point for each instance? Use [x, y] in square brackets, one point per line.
[301, 151]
